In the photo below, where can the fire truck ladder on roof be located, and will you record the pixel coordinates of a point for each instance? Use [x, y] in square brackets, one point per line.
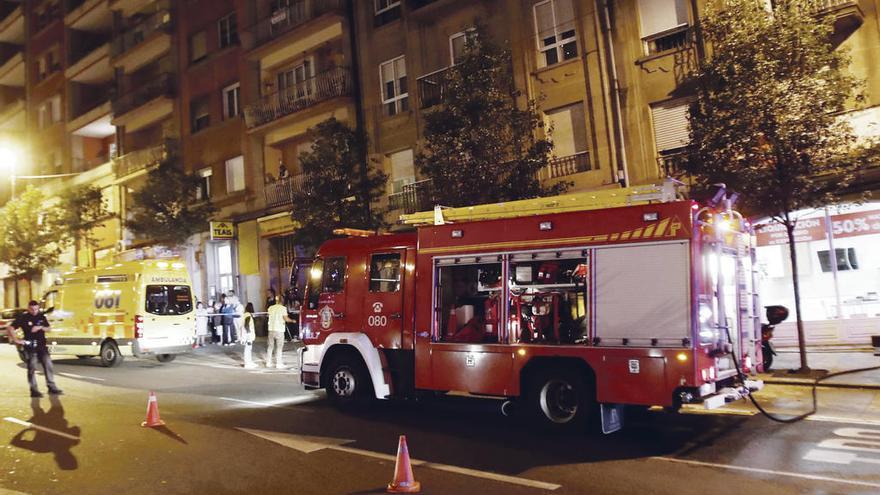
[668, 191]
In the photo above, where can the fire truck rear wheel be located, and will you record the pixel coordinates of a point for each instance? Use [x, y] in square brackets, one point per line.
[348, 383]
[561, 398]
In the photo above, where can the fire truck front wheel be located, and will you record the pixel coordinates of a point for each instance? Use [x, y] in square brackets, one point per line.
[348, 383]
[561, 398]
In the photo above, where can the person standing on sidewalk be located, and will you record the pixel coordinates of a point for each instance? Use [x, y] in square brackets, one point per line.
[238, 321]
[33, 325]
[201, 324]
[248, 335]
[216, 323]
[277, 325]
[227, 309]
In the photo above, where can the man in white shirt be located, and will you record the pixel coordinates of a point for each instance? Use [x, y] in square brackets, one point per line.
[277, 325]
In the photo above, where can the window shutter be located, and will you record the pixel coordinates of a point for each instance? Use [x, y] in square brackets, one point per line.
[671, 129]
[658, 16]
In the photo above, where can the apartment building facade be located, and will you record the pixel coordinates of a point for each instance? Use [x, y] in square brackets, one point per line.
[227, 89]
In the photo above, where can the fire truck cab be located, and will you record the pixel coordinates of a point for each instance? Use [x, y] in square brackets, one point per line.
[561, 303]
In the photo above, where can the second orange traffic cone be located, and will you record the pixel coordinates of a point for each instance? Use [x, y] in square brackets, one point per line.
[153, 412]
[403, 481]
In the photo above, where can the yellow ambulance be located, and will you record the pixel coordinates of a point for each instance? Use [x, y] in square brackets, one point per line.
[134, 308]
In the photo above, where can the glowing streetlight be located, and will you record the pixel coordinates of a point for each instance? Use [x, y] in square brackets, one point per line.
[9, 157]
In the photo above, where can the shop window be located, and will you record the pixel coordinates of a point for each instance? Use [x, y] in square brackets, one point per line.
[385, 273]
[556, 33]
[228, 29]
[395, 95]
[225, 272]
[548, 297]
[468, 300]
[845, 258]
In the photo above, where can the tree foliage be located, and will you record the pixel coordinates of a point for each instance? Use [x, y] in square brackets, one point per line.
[166, 208]
[31, 234]
[766, 117]
[481, 143]
[339, 186]
[83, 209]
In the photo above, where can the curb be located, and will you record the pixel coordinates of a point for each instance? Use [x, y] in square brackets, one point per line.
[809, 383]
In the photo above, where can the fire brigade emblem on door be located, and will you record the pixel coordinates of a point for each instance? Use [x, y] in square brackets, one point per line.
[326, 317]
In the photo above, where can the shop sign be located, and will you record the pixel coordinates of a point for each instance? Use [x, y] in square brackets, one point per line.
[853, 224]
[807, 229]
[222, 231]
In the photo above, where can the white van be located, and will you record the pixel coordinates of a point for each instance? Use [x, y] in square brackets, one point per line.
[135, 308]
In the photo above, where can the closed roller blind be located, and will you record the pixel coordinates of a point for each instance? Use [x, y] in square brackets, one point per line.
[671, 128]
[642, 293]
[657, 16]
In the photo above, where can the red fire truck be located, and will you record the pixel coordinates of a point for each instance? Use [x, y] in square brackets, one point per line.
[624, 297]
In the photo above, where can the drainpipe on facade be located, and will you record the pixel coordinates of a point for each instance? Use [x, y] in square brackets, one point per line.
[360, 124]
[622, 176]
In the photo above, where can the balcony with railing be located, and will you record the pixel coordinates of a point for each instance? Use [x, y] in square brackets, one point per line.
[672, 164]
[159, 87]
[432, 87]
[848, 16]
[324, 86]
[160, 22]
[144, 159]
[280, 192]
[566, 165]
[285, 20]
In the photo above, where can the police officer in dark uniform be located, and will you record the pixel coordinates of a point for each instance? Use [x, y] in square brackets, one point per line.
[34, 325]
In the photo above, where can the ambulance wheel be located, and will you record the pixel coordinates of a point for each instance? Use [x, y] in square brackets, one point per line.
[165, 358]
[110, 355]
[561, 398]
[348, 383]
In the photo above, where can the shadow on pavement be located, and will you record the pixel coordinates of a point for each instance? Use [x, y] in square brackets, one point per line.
[44, 442]
[170, 433]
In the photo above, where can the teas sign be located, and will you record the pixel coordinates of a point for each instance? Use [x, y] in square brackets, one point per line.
[221, 231]
[807, 229]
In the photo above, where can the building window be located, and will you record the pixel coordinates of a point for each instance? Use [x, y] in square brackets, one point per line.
[458, 44]
[198, 47]
[200, 113]
[663, 24]
[403, 171]
[231, 101]
[203, 192]
[225, 274]
[386, 11]
[556, 33]
[49, 112]
[228, 28]
[296, 82]
[395, 96]
[568, 129]
[671, 132]
[48, 63]
[235, 174]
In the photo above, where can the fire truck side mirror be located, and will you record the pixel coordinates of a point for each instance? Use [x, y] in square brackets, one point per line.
[776, 314]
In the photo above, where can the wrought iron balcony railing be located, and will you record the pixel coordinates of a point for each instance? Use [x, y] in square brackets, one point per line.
[286, 19]
[432, 87]
[130, 38]
[280, 192]
[324, 86]
[161, 86]
[138, 160]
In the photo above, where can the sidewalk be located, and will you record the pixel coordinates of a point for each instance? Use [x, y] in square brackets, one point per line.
[216, 355]
[827, 358]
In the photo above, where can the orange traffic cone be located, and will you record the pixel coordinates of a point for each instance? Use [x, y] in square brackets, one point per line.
[403, 481]
[153, 412]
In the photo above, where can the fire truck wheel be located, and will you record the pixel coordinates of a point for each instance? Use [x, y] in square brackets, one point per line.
[561, 398]
[348, 383]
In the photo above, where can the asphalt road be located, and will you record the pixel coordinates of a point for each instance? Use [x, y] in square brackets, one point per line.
[231, 430]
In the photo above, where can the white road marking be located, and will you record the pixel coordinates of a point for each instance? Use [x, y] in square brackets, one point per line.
[790, 474]
[814, 417]
[82, 377]
[837, 457]
[309, 444]
[838, 419]
[285, 404]
[42, 428]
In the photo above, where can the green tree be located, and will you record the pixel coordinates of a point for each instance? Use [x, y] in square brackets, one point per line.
[339, 185]
[765, 120]
[166, 208]
[83, 209]
[482, 141]
[31, 235]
